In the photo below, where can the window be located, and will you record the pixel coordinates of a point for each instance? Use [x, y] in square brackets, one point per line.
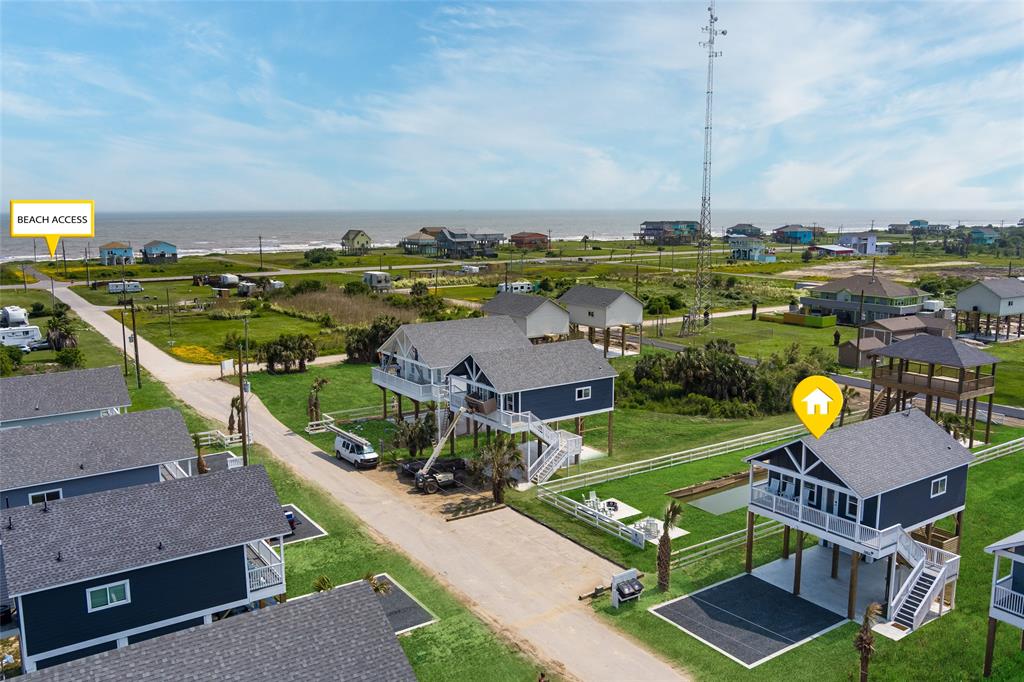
[590, 313]
[812, 494]
[851, 506]
[939, 486]
[106, 596]
[44, 496]
[583, 393]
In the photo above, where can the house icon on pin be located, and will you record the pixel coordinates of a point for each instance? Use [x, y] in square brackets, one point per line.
[817, 402]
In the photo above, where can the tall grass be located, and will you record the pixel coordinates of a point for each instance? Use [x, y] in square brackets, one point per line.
[345, 309]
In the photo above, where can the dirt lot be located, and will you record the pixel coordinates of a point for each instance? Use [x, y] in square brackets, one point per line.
[840, 269]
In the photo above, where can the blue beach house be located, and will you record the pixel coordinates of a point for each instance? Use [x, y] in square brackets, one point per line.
[522, 390]
[158, 251]
[793, 234]
[103, 571]
[35, 399]
[116, 253]
[984, 236]
[1006, 603]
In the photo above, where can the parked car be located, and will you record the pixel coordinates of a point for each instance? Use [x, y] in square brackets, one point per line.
[355, 450]
[40, 345]
[24, 349]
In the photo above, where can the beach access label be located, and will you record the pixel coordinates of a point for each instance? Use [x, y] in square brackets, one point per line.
[52, 219]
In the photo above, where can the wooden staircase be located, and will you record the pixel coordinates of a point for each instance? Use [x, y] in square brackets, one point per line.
[882, 405]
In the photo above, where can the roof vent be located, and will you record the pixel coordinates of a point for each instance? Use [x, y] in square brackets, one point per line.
[10, 523]
[160, 545]
[59, 557]
[37, 406]
[82, 465]
[46, 504]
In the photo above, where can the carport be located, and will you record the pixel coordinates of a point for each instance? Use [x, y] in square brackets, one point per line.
[748, 619]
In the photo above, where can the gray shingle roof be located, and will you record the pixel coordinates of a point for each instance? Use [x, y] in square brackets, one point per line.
[337, 635]
[514, 305]
[72, 449]
[1009, 542]
[118, 530]
[938, 350]
[441, 344]
[599, 297]
[888, 452]
[1005, 287]
[43, 395]
[545, 364]
[866, 344]
[871, 286]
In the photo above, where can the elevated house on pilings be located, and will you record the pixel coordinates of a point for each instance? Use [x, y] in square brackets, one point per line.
[415, 360]
[863, 490]
[523, 390]
[605, 309]
[992, 307]
[1007, 601]
[936, 368]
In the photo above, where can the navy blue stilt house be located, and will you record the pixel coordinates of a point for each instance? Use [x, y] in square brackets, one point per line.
[1007, 601]
[521, 390]
[102, 571]
[873, 490]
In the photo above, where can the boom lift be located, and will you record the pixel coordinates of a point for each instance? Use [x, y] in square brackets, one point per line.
[428, 481]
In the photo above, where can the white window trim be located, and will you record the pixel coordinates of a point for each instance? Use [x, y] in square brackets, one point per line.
[812, 494]
[852, 501]
[584, 391]
[945, 485]
[127, 596]
[59, 491]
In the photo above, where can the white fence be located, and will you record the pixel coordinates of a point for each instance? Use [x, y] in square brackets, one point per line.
[997, 451]
[592, 517]
[224, 440]
[686, 556]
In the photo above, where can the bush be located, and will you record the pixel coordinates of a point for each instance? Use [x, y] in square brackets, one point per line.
[319, 255]
[37, 308]
[227, 314]
[362, 343]
[807, 255]
[71, 358]
[6, 368]
[357, 288]
[308, 285]
[13, 357]
[232, 340]
[419, 290]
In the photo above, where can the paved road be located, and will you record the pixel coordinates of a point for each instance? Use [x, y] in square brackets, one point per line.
[517, 575]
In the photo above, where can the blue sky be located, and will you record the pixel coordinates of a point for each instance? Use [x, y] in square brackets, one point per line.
[330, 105]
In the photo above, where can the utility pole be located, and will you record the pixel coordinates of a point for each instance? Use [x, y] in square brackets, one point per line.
[88, 279]
[170, 330]
[636, 282]
[53, 299]
[33, 250]
[261, 253]
[124, 341]
[64, 255]
[135, 340]
[702, 274]
[245, 322]
[24, 280]
[241, 410]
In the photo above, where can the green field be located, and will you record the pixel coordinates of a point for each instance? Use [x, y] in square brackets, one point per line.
[759, 338]
[185, 267]
[1009, 372]
[10, 273]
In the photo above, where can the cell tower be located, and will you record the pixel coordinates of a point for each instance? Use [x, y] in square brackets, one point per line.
[700, 314]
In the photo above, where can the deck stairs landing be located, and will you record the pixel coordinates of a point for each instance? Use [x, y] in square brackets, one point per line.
[560, 446]
[882, 406]
[924, 584]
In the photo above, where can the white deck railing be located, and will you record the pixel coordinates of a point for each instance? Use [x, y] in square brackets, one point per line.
[220, 439]
[270, 573]
[1005, 599]
[412, 389]
[593, 517]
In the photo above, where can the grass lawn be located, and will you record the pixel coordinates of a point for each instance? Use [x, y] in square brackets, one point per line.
[197, 338]
[185, 267]
[950, 648]
[10, 273]
[1009, 372]
[758, 338]
[154, 293]
[476, 293]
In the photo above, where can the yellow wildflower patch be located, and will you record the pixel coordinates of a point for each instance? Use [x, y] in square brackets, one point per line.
[196, 354]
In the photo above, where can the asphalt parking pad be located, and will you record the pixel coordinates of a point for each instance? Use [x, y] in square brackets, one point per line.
[305, 527]
[403, 612]
[748, 619]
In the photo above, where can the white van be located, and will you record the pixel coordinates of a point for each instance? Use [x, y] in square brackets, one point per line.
[124, 288]
[355, 450]
[515, 287]
[376, 280]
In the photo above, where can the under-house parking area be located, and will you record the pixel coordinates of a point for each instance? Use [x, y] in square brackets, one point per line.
[748, 619]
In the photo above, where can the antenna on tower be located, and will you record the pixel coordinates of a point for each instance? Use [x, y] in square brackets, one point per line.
[700, 313]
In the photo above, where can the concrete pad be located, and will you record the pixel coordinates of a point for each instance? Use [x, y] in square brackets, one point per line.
[724, 501]
[673, 532]
[624, 512]
[818, 587]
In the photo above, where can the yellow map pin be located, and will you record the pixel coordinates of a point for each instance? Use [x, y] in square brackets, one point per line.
[817, 400]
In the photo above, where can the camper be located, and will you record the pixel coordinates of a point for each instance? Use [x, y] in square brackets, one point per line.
[376, 280]
[471, 269]
[247, 288]
[276, 284]
[355, 450]
[228, 280]
[13, 316]
[124, 288]
[515, 287]
[24, 335]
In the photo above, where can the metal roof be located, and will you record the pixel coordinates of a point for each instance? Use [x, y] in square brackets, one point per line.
[516, 305]
[544, 364]
[157, 242]
[442, 344]
[1005, 287]
[871, 286]
[599, 297]
[53, 452]
[938, 350]
[341, 634]
[888, 452]
[118, 530]
[53, 393]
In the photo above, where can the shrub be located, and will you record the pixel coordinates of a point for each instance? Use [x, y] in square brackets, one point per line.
[37, 308]
[319, 255]
[71, 358]
[307, 285]
[13, 355]
[419, 290]
[362, 343]
[232, 340]
[731, 281]
[227, 314]
[6, 367]
[807, 255]
[359, 288]
[546, 284]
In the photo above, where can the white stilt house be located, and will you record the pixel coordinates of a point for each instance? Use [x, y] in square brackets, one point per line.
[1007, 600]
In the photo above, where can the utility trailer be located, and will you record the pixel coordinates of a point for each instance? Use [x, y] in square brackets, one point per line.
[430, 478]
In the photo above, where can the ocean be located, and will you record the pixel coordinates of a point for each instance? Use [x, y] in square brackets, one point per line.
[237, 231]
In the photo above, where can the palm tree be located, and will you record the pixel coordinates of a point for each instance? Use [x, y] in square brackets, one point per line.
[313, 402]
[236, 411]
[201, 465]
[304, 348]
[376, 584]
[672, 514]
[585, 240]
[496, 463]
[60, 332]
[864, 641]
[954, 424]
[323, 583]
[849, 393]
